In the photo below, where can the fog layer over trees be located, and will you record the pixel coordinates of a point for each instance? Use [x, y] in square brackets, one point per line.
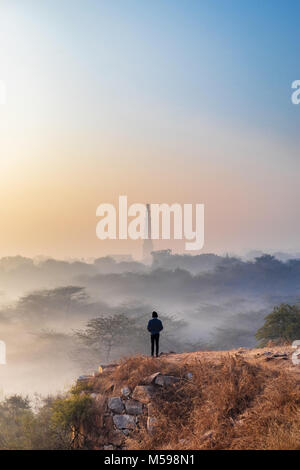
[61, 319]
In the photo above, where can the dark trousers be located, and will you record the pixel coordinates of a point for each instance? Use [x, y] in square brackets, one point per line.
[155, 339]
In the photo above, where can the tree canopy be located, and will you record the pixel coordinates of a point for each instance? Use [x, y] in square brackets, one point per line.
[282, 325]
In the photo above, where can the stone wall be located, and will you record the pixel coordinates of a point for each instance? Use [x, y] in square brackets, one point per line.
[118, 415]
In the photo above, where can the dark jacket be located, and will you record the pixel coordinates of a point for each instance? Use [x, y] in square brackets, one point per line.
[155, 326]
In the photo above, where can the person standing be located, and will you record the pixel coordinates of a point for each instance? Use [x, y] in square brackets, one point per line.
[155, 326]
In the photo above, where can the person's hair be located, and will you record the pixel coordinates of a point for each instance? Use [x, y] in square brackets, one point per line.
[154, 315]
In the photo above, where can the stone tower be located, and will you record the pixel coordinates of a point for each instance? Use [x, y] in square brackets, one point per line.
[148, 244]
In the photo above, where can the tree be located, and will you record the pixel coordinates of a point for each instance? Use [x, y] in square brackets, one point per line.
[55, 424]
[44, 305]
[15, 413]
[68, 415]
[282, 325]
[103, 334]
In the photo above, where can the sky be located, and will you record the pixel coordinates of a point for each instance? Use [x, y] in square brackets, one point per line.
[163, 101]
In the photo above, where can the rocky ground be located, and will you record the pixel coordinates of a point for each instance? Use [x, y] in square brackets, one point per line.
[126, 396]
[274, 356]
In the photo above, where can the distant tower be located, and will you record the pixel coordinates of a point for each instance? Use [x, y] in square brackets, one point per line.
[148, 244]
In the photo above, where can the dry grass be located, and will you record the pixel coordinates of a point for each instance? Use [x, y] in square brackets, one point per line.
[132, 370]
[274, 421]
[232, 404]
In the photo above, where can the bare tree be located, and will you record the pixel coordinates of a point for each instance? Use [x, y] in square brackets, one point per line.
[104, 334]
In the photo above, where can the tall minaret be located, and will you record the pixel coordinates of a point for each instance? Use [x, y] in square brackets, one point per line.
[148, 244]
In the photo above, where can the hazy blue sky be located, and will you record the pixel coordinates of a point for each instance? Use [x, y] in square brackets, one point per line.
[162, 100]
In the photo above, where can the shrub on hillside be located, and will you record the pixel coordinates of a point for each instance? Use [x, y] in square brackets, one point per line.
[282, 325]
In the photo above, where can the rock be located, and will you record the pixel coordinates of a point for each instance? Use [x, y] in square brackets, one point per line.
[134, 407]
[84, 378]
[93, 395]
[115, 404]
[125, 391]
[111, 366]
[143, 393]
[165, 380]
[150, 409]
[151, 424]
[124, 421]
[278, 355]
[151, 378]
[207, 435]
[126, 432]
[110, 447]
[107, 368]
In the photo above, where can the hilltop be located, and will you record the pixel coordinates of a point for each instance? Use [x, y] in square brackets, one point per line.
[238, 399]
